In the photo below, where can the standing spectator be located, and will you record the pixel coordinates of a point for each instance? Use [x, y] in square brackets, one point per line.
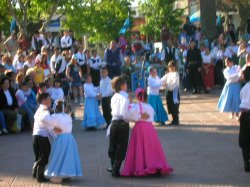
[11, 45]
[169, 53]
[58, 64]
[37, 42]
[23, 43]
[113, 58]
[66, 41]
[50, 43]
[242, 51]
[194, 64]
[208, 70]
[126, 71]
[81, 60]
[122, 43]
[74, 74]
[95, 64]
[189, 29]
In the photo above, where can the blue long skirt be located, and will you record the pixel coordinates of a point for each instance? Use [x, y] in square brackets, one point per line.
[230, 98]
[92, 115]
[64, 159]
[160, 113]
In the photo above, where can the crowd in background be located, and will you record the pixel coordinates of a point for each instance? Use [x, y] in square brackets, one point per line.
[57, 65]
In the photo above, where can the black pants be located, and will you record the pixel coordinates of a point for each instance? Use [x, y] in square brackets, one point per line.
[114, 70]
[172, 107]
[41, 148]
[218, 73]
[118, 142]
[106, 109]
[195, 77]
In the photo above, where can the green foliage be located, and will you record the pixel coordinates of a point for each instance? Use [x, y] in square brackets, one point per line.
[101, 19]
[5, 18]
[159, 13]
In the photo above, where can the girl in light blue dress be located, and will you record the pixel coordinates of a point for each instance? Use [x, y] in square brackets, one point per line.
[230, 97]
[93, 118]
[64, 162]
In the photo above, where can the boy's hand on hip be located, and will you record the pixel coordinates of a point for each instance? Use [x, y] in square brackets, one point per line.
[144, 116]
[57, 130]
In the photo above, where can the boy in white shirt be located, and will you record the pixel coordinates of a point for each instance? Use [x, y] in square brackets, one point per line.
[41, 133]
[106, 93]
[244, 134]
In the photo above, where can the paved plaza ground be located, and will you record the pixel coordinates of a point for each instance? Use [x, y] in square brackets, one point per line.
[203, 151]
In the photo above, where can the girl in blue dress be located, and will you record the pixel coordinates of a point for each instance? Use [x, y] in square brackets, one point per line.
[64, 159]
[230, 97]
[92, 115]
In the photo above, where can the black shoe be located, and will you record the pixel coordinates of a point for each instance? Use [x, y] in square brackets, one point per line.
[247, 166]
[174, 123]
[42, 179]
[109, 169]
[116, 174]
[195, 92]
[68, 179]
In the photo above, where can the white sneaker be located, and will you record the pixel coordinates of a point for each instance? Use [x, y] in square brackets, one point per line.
[5, 131]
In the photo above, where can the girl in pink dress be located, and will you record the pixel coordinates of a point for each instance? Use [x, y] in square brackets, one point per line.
[145, 155]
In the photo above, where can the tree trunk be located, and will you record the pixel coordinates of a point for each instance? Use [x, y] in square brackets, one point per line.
[243, 12]
[208, 18]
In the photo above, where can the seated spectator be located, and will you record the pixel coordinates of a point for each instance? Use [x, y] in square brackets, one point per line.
[7, 62]
[12, 77]
[29, 62]
[8, 104]
[19, 80]
[38, 72]
[22, 102]
[2, 70]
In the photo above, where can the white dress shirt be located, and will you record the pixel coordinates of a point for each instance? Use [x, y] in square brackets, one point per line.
[81, 59]
[171, 80]
[21, 98]
[154, 85]
[56, 93]
[245, 96]
[132, 111]
[232, 74]
[207, 59]
[62, 121]
[66, 41]
[118, 105]
[8, 97]
[55, 59]
[106, 87]
[95, 62]
[40, 127]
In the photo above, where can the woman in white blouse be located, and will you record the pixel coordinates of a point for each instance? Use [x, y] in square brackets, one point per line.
[208, 70]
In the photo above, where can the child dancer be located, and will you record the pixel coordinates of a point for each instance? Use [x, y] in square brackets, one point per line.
[64, 159]
[106, 93]
[56, 92]
[145, 155]
[92, 115]
[230, 97]
[119, 129]
[41, 143]
[154, 99]
[171, 80]
[244, 134]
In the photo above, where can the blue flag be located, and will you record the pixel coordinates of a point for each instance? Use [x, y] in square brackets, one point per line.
[125, 26]
[13, 25]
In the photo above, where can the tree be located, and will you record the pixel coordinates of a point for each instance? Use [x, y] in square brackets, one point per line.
[5, 18]
[159, 13]
[102, 20]
[208, 18]
[243, 8]
[32, 11]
